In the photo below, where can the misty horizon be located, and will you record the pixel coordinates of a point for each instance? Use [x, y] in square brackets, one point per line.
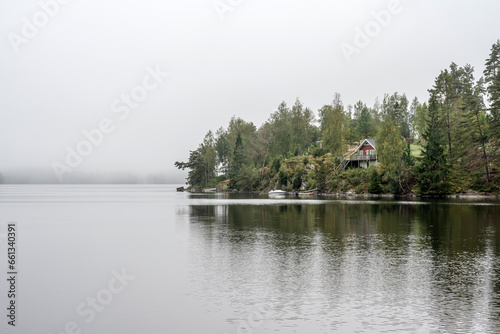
[133, 87]
[47, 176]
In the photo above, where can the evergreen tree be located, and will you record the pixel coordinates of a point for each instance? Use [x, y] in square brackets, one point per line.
[297, 180]
[408, 159]
[321, 175]
[238, 160]
[474, 105]
[202, 163]
[444, 94]
[283, 176]
[195, 164]
[375, 186]
[492, 79]
[365, 124]
[433, 170]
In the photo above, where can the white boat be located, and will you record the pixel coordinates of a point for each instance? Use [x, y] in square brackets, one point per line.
[210, 190]
[277, 193]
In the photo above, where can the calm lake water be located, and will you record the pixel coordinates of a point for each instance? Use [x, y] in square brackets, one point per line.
[146, 259]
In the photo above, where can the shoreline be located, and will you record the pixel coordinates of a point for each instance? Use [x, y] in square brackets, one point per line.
[469, 195]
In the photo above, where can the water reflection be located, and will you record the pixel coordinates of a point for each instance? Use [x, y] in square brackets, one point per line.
[349, 266]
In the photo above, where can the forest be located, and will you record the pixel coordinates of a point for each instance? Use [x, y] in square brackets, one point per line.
[448, 144]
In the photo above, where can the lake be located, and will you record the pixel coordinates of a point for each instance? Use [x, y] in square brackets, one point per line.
[146, 259]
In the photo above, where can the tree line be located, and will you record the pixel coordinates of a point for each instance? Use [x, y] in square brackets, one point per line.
[455, 138]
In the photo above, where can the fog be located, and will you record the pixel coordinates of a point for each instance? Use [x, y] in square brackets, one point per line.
[130, 87]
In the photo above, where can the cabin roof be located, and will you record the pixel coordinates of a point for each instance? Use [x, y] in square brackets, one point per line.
[369, 141]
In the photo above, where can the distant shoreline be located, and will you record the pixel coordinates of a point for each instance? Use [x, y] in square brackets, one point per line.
[365, 195]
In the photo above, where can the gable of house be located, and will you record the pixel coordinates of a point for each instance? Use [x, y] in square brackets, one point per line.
[367, 147]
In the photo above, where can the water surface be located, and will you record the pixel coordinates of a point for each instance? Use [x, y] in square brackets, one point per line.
[225, 263]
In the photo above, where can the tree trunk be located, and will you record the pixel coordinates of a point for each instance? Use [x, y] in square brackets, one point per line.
[263, 166]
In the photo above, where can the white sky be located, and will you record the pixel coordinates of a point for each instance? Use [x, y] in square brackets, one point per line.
[65, 78]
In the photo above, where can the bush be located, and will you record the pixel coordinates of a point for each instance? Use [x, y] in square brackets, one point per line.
[246, 179]
[317, 152]
[355, 181]
[359, 189]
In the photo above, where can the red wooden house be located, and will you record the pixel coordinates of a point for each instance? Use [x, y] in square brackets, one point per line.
[364, 155]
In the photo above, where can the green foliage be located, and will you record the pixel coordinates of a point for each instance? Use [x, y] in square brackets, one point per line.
[321, 174]
[419, 118]
[332, 119]
[292, 130]
[283, 176]
[395, 107]
[238, 159]
[246, 179]
[202, 163]
[458, 128]
[416, 150]
[375, 186]
[390, 146]
[492, 76]
[433, 171]
[297, 180]
[317, 152]
[408, 159]
[366, 126]
[276, 165]
[222, 148]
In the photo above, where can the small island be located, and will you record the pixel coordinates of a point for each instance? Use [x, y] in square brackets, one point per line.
[446, 145]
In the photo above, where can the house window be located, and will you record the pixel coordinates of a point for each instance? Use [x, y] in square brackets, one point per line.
[360, 153]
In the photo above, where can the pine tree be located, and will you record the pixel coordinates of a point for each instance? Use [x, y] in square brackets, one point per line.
[238, 160]
[365, 124]
[444, 94]
[375, 186]
[492, 76]
[297, 180]
[408, 159]
[433, 171]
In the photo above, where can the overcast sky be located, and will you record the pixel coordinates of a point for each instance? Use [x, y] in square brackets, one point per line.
[72, 66]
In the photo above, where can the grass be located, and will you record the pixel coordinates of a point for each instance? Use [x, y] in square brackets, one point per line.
[416, 150]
